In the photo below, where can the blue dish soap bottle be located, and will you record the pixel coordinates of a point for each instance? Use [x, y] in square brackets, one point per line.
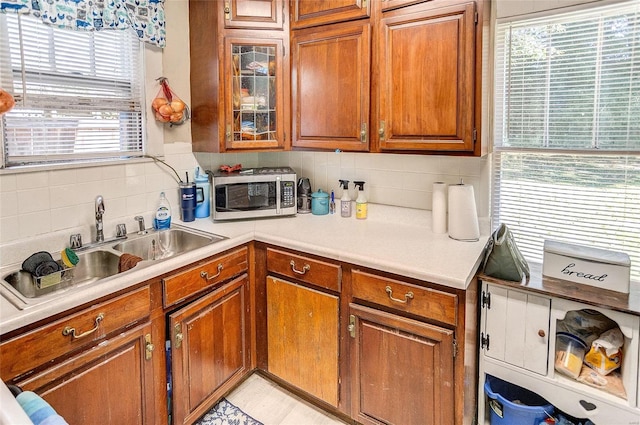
[162, 219]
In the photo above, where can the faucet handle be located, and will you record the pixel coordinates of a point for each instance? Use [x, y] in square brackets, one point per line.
[121, 230]
[75, 241]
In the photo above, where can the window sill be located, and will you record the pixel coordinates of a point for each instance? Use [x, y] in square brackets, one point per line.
[72, 165]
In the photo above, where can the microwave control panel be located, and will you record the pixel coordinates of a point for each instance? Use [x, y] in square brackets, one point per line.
[287, 194]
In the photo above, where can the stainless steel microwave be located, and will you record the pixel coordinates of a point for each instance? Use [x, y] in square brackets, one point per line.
[254, 193]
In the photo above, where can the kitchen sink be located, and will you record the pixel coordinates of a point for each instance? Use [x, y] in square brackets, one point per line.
[99, 262]
[93, 266]
[162, 244]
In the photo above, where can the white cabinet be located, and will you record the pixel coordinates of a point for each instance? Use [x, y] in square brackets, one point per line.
[520, 328]
[516, 327]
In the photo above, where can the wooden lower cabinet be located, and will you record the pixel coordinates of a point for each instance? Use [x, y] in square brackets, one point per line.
[402, 370]
[109, 383]
[210, 342]
[302, 327]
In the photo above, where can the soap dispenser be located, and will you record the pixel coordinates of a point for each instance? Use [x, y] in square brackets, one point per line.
[361, 201]
[345, 200]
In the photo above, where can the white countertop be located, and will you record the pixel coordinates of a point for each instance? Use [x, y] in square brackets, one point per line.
[391, 239]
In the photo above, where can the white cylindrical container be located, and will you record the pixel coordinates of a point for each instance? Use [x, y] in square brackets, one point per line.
[463, 216]
[439, 208]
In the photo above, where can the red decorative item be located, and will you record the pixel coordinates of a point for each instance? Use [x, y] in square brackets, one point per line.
[231, 169]
[167, 106]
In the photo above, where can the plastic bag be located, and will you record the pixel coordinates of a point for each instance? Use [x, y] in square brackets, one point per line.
[167, 106]
[605, 354]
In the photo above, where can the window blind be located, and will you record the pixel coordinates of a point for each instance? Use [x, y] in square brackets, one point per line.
[79, 95]
[566, 162]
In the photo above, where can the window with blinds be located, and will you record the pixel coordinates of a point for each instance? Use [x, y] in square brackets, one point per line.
[566, 162]
[79, 95]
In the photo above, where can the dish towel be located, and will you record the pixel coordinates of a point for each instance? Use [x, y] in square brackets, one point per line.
[127, 262]
[38, 410]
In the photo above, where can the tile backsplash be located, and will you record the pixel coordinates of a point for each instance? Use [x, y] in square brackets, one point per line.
[402, 180]
[40, 210]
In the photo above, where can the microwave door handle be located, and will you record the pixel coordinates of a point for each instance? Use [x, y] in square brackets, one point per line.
[278, 192]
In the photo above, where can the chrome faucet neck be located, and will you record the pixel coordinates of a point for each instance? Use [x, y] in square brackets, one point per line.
[141, 227]
[99, 213]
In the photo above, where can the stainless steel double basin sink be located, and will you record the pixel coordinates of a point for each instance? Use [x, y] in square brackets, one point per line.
[103, 261]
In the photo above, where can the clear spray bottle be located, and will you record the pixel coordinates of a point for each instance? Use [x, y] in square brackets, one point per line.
[345, 201]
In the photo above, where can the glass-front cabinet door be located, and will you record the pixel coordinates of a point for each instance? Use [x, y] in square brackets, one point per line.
[255, 94]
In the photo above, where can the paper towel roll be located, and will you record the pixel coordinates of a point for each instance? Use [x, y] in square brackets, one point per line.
[439, 208]
[463, 216]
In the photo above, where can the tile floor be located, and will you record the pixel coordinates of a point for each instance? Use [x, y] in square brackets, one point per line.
[268, 403]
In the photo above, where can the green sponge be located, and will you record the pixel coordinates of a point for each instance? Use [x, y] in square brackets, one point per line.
[69, 258]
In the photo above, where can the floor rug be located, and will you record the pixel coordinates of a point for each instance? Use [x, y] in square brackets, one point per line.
[225, 413]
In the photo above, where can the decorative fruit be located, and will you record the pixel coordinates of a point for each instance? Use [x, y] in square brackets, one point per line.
[167, 106]
[161, 117]
[165, 110]
[176, 117]
[158, 102]
[6, 101]
[177, 105]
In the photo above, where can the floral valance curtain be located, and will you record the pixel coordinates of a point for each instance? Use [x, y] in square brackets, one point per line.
[146, 17]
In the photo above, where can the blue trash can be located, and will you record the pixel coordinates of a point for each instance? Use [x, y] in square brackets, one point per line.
[512, 405]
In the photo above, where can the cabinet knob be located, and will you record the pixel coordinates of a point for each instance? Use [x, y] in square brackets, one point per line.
[542, 333]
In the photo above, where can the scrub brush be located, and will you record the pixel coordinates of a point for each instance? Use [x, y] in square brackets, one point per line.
[69, 258]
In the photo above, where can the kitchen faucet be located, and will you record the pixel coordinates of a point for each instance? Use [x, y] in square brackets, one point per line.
[75, 241]
[99, 213]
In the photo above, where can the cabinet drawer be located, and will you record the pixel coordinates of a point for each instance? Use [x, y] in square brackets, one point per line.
[181, 286]
[47, 343]
[316, 272]
[425, 302]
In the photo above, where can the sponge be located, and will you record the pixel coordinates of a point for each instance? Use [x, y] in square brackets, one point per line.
[31, 263]
[69, 258]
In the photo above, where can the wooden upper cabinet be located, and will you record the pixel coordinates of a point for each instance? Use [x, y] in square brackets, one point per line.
[308, 13]
[426, 67]
[330, 80]
[261, 14]
[239, 77]
[254, 93]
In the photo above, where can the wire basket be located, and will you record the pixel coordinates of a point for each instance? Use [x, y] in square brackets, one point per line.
[63, 276]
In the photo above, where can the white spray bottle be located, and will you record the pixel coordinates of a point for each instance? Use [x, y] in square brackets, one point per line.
[361, 201]
[345, 201]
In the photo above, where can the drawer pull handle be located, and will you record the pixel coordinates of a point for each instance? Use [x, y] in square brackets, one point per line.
[408, 296]
[205, 275]
[72, 331]
[304, 270]
[542, 333]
